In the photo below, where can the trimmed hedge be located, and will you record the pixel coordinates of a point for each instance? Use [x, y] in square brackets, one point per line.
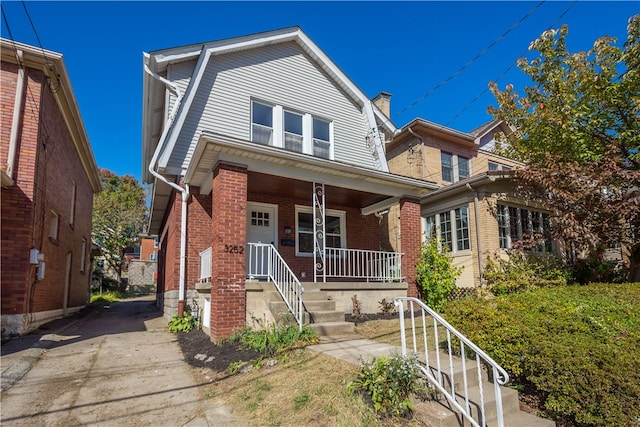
[578, 345]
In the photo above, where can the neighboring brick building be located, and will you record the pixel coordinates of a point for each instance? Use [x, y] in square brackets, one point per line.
[474, 213]
[260, 144]
[49, 177]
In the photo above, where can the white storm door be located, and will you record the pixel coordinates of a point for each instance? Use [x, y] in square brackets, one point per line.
[262, 223]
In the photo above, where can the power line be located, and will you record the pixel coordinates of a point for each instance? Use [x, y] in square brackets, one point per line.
[504, 73]
[44, 54]
[470, 62]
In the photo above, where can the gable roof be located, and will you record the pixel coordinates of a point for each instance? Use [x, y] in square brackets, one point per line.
[158, 61]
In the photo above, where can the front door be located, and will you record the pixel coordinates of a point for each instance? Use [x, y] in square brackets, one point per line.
[262, 224]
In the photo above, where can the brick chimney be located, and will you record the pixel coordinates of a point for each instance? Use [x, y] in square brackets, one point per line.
[383, 102]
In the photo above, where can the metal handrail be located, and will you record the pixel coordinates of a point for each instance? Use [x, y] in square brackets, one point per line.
[363, 264]
[264, 261]
[441, 377]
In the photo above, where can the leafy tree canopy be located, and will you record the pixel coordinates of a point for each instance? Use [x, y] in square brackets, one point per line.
[578, 133]
[119, 215]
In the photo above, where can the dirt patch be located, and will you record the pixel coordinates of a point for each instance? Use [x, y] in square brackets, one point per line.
[200, 352]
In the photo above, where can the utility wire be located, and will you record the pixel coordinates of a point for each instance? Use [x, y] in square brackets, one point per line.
[504, 73]
[44, 54]
[470, 62]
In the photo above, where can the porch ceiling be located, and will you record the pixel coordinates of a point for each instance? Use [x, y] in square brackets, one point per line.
[272, 185]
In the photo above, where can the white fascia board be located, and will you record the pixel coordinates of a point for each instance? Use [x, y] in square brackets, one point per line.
[380, 206]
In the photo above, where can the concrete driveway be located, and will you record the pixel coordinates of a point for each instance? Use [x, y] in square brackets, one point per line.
[119, 366]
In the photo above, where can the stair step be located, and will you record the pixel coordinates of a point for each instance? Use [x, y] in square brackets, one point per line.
[324, 316]
[333, 328]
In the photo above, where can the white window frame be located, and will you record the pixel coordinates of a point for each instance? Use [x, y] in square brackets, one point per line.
[278, 129]
[54, 225]
[432, 224]
[497, 166]
[342, 215]
[83, 255]
[510, 220]
[72, 212]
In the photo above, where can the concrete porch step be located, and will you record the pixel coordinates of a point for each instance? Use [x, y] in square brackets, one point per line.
[328, 329]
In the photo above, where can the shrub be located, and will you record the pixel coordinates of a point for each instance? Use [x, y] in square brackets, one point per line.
[107, 297]
[389, 382]
[577, 345]
[436, 276]
[521, 272]
[387, 308]
[184, 323]
[596, 269]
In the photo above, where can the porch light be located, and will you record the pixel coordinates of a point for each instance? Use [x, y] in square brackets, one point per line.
[287, 230]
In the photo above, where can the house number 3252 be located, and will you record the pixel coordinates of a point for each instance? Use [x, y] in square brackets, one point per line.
[233, 249]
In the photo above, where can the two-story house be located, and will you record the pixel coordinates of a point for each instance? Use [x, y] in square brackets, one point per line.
[269, 172]
[49, 177]
[474, 213]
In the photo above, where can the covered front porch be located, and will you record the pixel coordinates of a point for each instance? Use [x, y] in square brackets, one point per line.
[281, 219]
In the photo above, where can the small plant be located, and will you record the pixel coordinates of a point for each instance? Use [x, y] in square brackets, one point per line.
[271, 340]
[106, 298]
[301, 400]
[389, 382]
[234, 367]
[387, 307]
[184, 323]
[435, 274]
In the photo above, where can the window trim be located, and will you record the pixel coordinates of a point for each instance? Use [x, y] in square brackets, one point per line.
[72, 212]
[83, 255]
[432, 224]
[507, 222]
[328, 212]
[54, 226]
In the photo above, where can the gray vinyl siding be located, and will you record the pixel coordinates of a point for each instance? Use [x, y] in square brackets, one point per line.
[280, 74]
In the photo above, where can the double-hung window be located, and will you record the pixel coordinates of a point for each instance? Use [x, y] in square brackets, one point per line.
[261, 123]
[451, 228]
[293, 131]
[454, 167]
[334, 230]
[282, 127]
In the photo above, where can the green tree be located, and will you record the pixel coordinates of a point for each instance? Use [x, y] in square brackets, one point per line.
[436, 276]
[578, 133]
[119, 215]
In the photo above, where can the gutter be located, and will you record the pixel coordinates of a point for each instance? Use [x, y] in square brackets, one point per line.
[184, 191]
[422, 159]
[478, 241]
[15, 123]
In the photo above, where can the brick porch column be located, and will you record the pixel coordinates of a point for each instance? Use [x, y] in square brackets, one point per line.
[410, 242]
[228, 249]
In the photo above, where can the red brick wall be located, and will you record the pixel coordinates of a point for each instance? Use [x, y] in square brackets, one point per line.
[169, 269]
[147, 247]
[410, 242]
[48, 165]
[198, 233]
[229, 204]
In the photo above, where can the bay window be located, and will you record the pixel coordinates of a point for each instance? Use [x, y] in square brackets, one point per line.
[518, 224]
[445, 225]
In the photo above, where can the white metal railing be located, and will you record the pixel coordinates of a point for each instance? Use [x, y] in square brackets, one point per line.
[437, 371]
[205, 265]
[264, 261]
[376, 266]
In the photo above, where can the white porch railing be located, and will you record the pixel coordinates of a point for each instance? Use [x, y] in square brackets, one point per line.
[264, 261]
[426, 338]
[374, 266]
[205, 265]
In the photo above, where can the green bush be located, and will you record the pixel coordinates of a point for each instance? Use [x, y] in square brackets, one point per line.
[184, 323]
[436, 276]
[577, 345]
[389, 382]
[107, 297]
[521, 272]
[272, 340]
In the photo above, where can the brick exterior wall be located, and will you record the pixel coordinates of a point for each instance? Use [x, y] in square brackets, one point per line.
[229, 224]
[410, 228]
[148, 248]
[47, 168]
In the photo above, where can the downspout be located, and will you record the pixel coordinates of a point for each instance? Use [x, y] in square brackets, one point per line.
[478, 241]
[184, 191]
[422, 159]
[15, 123]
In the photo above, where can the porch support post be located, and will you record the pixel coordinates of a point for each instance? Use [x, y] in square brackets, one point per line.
[410, 242]
[228, 246]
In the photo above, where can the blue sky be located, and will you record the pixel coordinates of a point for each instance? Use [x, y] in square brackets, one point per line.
[435, 58]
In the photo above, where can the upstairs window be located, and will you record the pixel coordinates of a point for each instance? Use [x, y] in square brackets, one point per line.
[278, 126]
[293, 131]
[454, 167]
[321, 138]
[72, 211]
[447, 166]
[261, 123]
[493, 166]
[53, 225]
